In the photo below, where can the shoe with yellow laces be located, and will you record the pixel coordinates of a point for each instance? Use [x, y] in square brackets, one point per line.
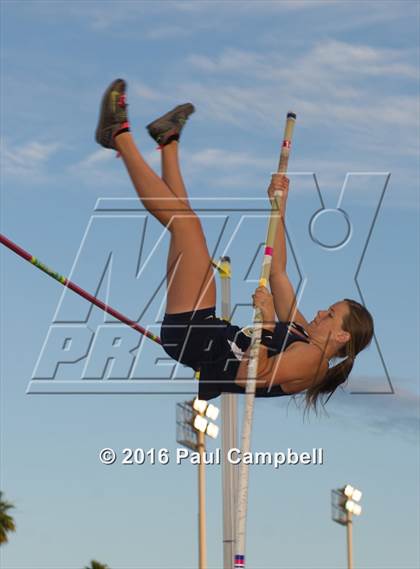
[113, 117]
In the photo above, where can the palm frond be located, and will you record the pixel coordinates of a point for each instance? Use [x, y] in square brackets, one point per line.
[96, 565]
[7, 523]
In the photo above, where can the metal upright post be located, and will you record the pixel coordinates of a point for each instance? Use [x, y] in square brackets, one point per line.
[229, 434]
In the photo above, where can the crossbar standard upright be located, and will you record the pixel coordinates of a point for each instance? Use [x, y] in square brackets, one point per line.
[229, 434]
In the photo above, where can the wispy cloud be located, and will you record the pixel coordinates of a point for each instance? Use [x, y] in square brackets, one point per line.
[129, 16]
[97, 158]
[225, 169]
[97, 168]
[102, 168]
[331, 54]
[220, 158]
[144, 91]
[27, 161]
[329, 77]
[392, 414]
[362, 59]
[335, 15]
[169, 32]
[328, 84]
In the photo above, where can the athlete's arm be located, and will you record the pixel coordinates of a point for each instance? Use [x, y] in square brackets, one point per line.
[281, 287]
[263, 300]
[295, 369]
[294, 366]
[284, 297]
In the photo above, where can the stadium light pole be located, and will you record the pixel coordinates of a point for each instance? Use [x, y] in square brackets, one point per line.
[345, 505]
[193, 424]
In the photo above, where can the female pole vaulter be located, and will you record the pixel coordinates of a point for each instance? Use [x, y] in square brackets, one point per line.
[294, 356]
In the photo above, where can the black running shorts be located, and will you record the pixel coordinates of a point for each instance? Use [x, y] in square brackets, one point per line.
[194, 337]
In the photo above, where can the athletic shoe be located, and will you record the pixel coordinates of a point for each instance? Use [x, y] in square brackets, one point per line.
[168, 127]
[113, 114]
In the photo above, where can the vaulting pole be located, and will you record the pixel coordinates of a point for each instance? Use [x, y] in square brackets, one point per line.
[242, 500]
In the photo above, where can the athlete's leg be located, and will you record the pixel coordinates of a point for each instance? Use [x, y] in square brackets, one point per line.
[190, 276]
[191, 283]
[171, 171]
[166, 131]
[153, 192]
[171, 175]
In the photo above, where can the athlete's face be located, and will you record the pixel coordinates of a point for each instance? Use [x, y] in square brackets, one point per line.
[329, 322]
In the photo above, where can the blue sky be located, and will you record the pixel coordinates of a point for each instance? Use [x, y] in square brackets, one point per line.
[350, 72]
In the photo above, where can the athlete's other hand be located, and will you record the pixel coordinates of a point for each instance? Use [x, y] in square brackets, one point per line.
[279, 183]
[263, 300]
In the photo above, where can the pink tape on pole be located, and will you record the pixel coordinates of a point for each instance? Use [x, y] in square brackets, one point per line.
[287, 143]
[268, 251]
